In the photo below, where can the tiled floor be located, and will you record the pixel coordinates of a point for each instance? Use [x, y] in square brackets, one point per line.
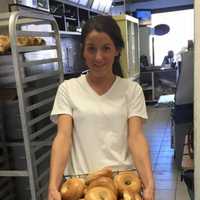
[167, 177]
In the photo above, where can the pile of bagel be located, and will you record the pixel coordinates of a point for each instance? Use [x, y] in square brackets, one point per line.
[21, 41]
[103, 185]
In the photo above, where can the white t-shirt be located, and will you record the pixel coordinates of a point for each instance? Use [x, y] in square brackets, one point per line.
[100, 123]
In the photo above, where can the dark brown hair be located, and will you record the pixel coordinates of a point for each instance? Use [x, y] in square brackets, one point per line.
[109, 26]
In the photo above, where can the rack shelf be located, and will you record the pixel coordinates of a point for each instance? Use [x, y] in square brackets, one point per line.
[70, 16]
[147, 83]
[66, 33]
[30, 84]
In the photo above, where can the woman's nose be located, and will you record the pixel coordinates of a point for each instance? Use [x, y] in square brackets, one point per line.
[98, 55]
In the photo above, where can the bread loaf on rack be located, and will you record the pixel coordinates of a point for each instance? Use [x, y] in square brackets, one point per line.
[21, 41]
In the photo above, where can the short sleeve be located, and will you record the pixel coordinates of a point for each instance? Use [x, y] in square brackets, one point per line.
[62, 103]
[136, 102]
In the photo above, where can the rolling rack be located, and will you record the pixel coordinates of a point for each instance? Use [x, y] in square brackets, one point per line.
[26, 131]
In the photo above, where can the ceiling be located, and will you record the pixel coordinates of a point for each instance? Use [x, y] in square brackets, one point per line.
[121, 2]
[130, 1]
[136, 1]
[166, 6]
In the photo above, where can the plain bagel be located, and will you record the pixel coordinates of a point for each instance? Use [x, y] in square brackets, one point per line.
[127, 181]
[105, 172]
[100, 193]
[72, 189]
[131, 196]
[104, 182]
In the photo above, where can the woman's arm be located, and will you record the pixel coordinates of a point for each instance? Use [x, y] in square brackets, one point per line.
[140, 153]
[59, 154]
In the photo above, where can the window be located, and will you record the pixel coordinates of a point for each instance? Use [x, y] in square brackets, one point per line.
[181, 25]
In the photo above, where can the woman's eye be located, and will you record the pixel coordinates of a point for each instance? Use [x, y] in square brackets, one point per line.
[106, 48]
[91, 49]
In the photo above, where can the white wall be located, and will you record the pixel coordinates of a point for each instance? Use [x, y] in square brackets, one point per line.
[197, 100]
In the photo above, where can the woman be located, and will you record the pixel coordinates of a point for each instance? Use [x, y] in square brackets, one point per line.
[99, 115]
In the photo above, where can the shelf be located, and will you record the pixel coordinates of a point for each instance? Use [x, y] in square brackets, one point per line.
[57, 16]
[147, 83]
[33, 83]
[71, 18]
[25, 49]
[147, 88]
[22, 22]
[69, 33]
[151, 101]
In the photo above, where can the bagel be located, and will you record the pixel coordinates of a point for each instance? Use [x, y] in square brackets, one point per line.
[104, 182]
[4, 44]
[100, 193]
[72, 189]
[29, 41]
[21, 41]
[127, 181]
[137, 196]
[131, 196]
[106, 172]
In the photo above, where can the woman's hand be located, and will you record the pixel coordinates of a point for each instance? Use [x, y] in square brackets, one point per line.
[54, 194]
[149, 193]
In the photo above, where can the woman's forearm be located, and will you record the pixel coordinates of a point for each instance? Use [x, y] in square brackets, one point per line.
[140, 151]
[59, 155]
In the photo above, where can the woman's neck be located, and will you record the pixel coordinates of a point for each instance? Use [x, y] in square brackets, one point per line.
[98, 80]
[100, 84]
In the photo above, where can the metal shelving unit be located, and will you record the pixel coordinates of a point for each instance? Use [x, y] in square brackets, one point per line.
[147, 82]
[130, 54]
[6, 184]
[35, 72]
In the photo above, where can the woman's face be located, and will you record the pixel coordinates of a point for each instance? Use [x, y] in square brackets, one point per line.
[99, 53]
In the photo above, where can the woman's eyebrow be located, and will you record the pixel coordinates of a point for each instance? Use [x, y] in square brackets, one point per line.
[92, 44]
[108, 44]
[89, 43]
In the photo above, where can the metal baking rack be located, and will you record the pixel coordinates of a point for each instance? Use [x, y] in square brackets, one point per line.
[34, 72]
